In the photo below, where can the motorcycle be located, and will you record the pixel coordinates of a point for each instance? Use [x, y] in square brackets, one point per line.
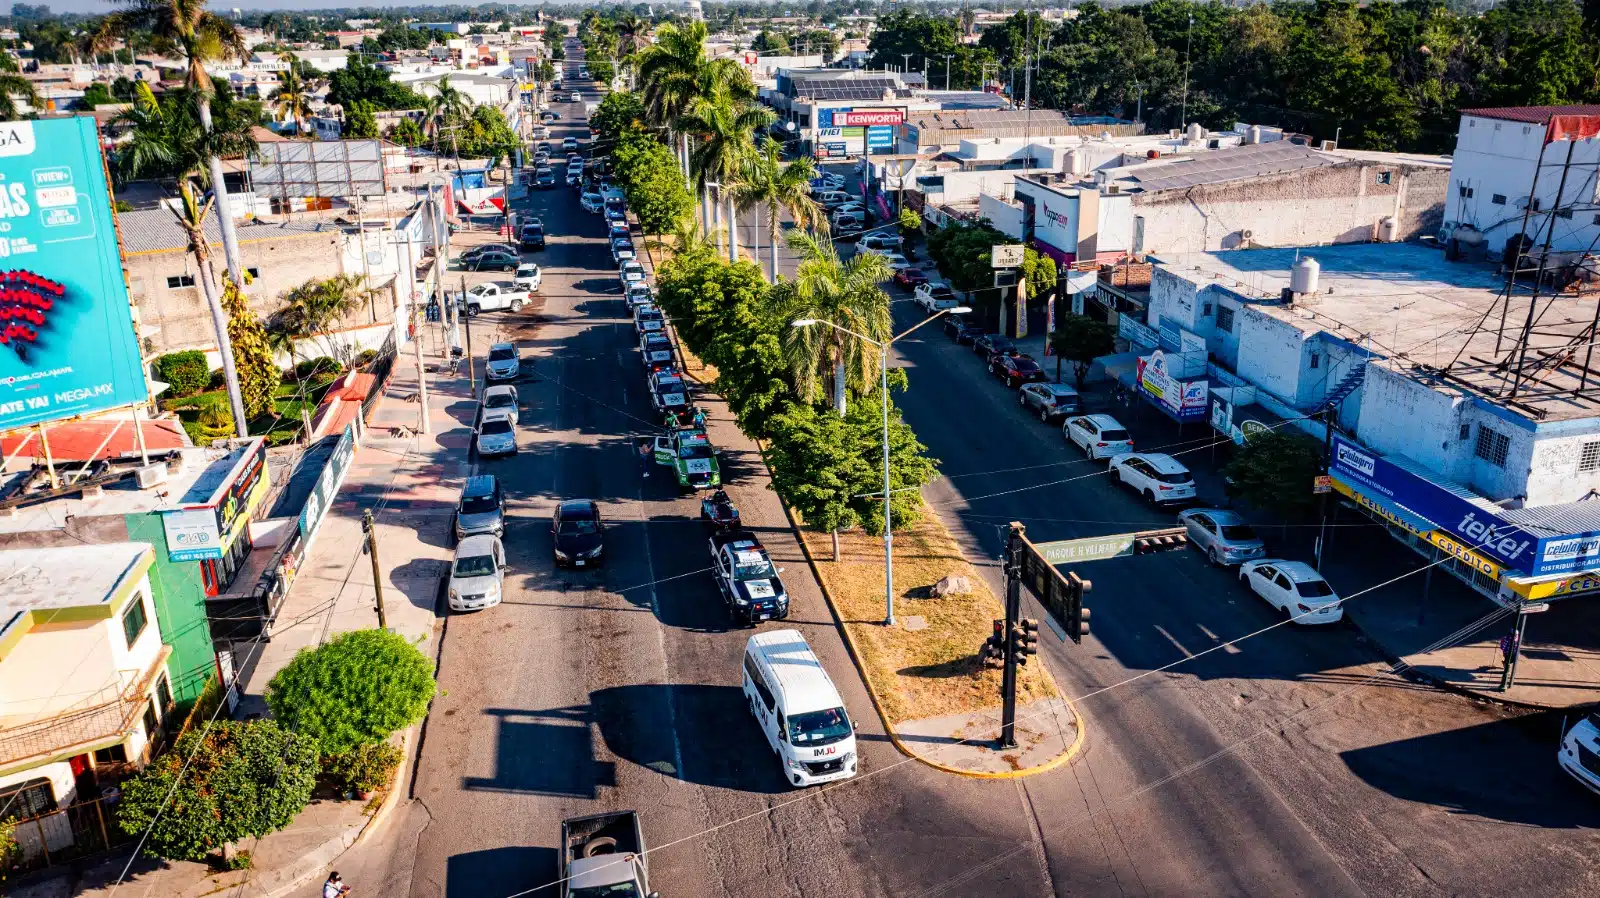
[718, 511]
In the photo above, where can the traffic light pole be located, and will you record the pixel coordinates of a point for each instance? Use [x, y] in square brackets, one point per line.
[1008, 677]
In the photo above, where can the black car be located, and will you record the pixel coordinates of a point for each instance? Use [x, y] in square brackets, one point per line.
[1016, 369]
[472, 254]
[545, 179]
[955, 325]
[991, 345]
[532, 237]
[577, 533]
[495, 260]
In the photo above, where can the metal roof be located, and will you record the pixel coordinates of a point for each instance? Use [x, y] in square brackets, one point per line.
[1533, 115]
[1229, 164]
[969, 119]
[157, 231]
[1556, 520]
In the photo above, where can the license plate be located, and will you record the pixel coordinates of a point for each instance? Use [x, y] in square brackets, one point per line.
[579, 562]
[763, 617]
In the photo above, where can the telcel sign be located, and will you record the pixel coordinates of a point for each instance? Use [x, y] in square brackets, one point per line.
[67, 345]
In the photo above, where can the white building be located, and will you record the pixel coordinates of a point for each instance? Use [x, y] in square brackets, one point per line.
[480, 89]
[84, 687]
[1492, 175]
[324, 60]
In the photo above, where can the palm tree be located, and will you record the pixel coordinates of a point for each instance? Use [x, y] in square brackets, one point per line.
[675, 74]
[447, 108]
[291, 98]
[846, 294]
[726, 128]
[774, 187]
[186, 29]
[632, 35]
[12, 86]
[317, 306]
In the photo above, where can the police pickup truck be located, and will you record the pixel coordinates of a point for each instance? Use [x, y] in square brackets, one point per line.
[690, 455]
[669, 393]
[747, 578]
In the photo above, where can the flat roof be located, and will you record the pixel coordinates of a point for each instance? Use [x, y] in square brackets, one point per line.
[1222, 165]
[1417, 309]
[65, 577]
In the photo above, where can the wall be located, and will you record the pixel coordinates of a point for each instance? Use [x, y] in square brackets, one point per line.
[1498, 158]
[1005, 217]
[1553, 475]
[59, 666]
[1336, 204]
[180, 603]
[1271, 354]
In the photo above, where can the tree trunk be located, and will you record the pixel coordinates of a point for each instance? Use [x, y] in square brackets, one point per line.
[224, 212]
[838, 381]
[733, 226]
[219, 322]
[835, 535]
[772, 223]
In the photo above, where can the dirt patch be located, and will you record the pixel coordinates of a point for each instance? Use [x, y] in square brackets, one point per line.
[935, 670]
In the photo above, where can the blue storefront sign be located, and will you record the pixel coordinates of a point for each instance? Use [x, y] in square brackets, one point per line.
[880, 137]
[1512, 545]
[67, 345]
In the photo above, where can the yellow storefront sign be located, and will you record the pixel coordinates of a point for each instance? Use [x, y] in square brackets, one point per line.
[1445, 542]
[1559, 588]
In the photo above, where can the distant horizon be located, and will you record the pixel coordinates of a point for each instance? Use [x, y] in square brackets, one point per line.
[105, 6]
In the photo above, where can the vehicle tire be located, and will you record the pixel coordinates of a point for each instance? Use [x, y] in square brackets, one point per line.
[1022, 399]
[1044, 416]
[516, 306]
[1216, 559]
[1151, 496]
[474, 310]
[1011, 382]
[599, 845]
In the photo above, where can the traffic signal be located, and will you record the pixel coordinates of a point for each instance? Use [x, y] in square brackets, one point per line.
[1160, 540]
[1025, 636]
[1077, 616]
[993, 652]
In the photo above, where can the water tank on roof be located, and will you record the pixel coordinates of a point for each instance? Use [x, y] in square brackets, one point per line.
[1152, 154]
[1195, 132]
[1253, 135]
[1303, 276]
[1388, 230]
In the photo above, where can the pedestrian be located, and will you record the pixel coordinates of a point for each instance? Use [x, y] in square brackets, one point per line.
[672, 420]
[700, 418]
[1508, 649]
[646, 458]
[334, 887]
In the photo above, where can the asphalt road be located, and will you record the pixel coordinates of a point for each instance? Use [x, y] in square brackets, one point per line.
[1291, 763]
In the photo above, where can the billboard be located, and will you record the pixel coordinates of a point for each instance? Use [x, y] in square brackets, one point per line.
[67, 345]
[845, 118]
[302, 168]
[838, 143]
[1183, 400]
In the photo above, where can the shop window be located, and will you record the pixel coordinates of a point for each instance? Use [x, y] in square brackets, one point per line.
[116, 754]
[1498, 199]
[134, 620]
[217, 575]
[33, 798]
[1589, 457]
[1493, 446]
[1225, 319]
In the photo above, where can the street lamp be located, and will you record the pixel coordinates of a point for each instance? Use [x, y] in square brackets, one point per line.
[888, 519]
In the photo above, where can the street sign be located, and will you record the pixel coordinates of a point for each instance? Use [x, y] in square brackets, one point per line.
[1006, 256]
[1322, 483]
[1093, 548]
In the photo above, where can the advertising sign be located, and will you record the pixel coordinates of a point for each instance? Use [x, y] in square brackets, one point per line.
[327, 487]
[837, 143]
[865, 117]
[1183, 400]
[67, 345]
[880, 138]
[192, 534]
[1136, 331]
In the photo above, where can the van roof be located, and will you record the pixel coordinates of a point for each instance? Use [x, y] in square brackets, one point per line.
[798, 674]
[479, 485]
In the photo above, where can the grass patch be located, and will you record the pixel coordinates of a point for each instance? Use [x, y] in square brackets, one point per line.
[933, 671]
[207, 417]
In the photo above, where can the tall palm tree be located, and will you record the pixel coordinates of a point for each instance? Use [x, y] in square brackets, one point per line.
[846, 294]
[725, 126]
[448, 107]
[675, 74]
[185, 28]
[317, 306]
[292, 97]
[632, 34]
[12, 86]
[774, 187]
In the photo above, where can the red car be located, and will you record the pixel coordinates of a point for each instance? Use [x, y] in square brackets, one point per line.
[1016, 369]
[909, 278]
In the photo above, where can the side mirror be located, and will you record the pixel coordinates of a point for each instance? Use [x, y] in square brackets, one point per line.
[504, 568]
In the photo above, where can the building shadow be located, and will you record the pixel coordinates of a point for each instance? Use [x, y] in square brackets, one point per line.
[511, 870]
[664, 726]
[545, 752]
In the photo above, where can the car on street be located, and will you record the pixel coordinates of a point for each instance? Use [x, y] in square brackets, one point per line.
[574, 176]
[881, 241]
[549, 115]
[577, 533]
[496, 296]
[532, 237]
[1049, 401]
[544, 178]
[480, 508]
[591, 202]
[991, 345]
[747, 578]
[1099, 436]
[499, 401]
[494, 260]
[648, 318]
[1222, 535]
[528, 277]
[1158, 477]
[910, 278]
[622, 250]
[630, 272]
[569, 144]
[934, 296]
[1580, 752]
[845, 222]
[656, 348]
[496, 436]
[575, 97]
[638, 294]
[668, 393]
[692, 458]
[963, 330]
[471, 253]
[477, 574]
[505, 362]
[895, 260]
[1293, 587]
[1016, 369]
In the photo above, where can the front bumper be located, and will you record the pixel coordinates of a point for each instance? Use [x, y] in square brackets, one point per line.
[804, 777]
[755, 614]
[502, 373]
[474, 602]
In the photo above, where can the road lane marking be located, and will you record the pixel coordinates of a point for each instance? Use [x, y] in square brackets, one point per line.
[1172, 639]
[1227, 649]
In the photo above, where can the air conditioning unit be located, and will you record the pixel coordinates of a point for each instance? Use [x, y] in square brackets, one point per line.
[1174, 134]
[1247, 235]
[1329, 145]
[151, 475]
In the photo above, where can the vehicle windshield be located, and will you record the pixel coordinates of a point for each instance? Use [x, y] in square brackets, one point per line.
[500, 400]
[1025, 364]
[527, 271]
[1001, 343]
[543, 172]
[501, 355]
[496, 426]
[1313, 589]
[1238, 531]
[475, 566]
[579, 526]
[477, 504]
[695, 450]
[943, 293]
[1114, 436]
[1173, 476]
[819, 727]
[752, 566]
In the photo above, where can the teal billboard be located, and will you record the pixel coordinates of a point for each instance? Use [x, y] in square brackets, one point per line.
[67, 345]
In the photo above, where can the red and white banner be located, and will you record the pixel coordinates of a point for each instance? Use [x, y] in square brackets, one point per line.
[862, 117]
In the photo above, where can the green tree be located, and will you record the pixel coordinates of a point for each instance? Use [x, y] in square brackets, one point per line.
[1080, 340]
[1273, 472]
[770, 43]
[908, 221]
[97, 94]
[361, 687]
[223, 783]
[906, 31]
[316, 307]
[848, 296]
[1040, 270]
[360, 123]
[724, 125]
[259, 374]
[291, 100]
[774, 187]
[361, 81]
[406, 132]
[618, 112]
[655, 189]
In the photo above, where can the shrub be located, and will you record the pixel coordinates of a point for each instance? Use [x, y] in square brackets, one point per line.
[365, 357]
[366, 768]
[360, 687]
[321, 365]
[186, 371]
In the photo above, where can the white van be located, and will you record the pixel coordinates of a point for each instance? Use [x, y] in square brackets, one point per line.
[798, 709]
[1580, 751]
[829, 199]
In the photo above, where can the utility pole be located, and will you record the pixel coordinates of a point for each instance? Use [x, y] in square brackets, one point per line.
[371, 548]
[947, 58]
[1008, 676]
[1187, 41]
[466, 327]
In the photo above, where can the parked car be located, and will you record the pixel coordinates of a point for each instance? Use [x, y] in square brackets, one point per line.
[495, 296]
[1222, 535]
[826, 181]
[895, 260]
[477, 575]
[1016, 369]
[591, 202]
[1049, 401]
[528, 277]
[910, 278]
[471, 253]
[499, 401]
[648, 318]
[656, 350]
[622, 250]
[638, 293]
[935, 297]
[1099, 436]
[505, 362]
[494, 260]
[848, 221]
[1156, 476]
[962, 330]
[1295, 588]
[532, 237]
[496, 436]
[618, 229]
[991, 345]
[832, 199]
[481, 506]
[577, 534]
[881, 241]
[630, 273]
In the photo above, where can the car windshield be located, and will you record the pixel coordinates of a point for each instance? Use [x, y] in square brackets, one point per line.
[1114, 436]
[1173, 476]
[477, 504]
[819, 727]
[1001, 343]
[1238, 531]
[1313, 589]
[943, 293]
[752, 565]
[500, 400]
[694, 450]
[1025, 364]
[475, 566]
[527, 271]
[496, 426]
[501, 355]
[532, 230]
[578, 526]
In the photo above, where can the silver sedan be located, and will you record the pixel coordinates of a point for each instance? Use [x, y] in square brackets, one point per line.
[1223, 535]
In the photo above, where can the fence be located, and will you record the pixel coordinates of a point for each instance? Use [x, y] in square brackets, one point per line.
[380, 368]
[65, 834]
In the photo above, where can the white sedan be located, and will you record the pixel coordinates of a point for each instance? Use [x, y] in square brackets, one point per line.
[895, 260]
[528, 277]
[1295, 588]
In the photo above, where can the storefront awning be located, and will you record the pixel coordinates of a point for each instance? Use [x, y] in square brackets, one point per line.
[1387, 509]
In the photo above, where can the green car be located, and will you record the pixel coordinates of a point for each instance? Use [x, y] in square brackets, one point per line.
[688, 451]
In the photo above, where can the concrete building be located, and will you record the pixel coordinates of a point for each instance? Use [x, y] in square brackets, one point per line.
[1438, 436]
[1500, 155]
[85, 690]
[444, 27]
[324, 60]
[481, 89]
[977, 116]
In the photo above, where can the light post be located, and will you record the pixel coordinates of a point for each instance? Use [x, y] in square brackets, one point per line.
[888, 513]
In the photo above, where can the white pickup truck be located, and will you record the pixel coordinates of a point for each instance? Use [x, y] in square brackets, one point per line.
[495, 296]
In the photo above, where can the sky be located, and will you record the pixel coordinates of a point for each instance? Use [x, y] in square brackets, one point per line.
[100, 6]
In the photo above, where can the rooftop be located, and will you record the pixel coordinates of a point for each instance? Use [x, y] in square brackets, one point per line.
[1533, 115]
[1409, 305]
[157, 231]
[66, 577]
[1223, 165]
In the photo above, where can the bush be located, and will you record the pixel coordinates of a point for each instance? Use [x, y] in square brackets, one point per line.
[321, 365]
[361, 687]
[186, 371]
[366, 768]
[219, 380]
[365, 358]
